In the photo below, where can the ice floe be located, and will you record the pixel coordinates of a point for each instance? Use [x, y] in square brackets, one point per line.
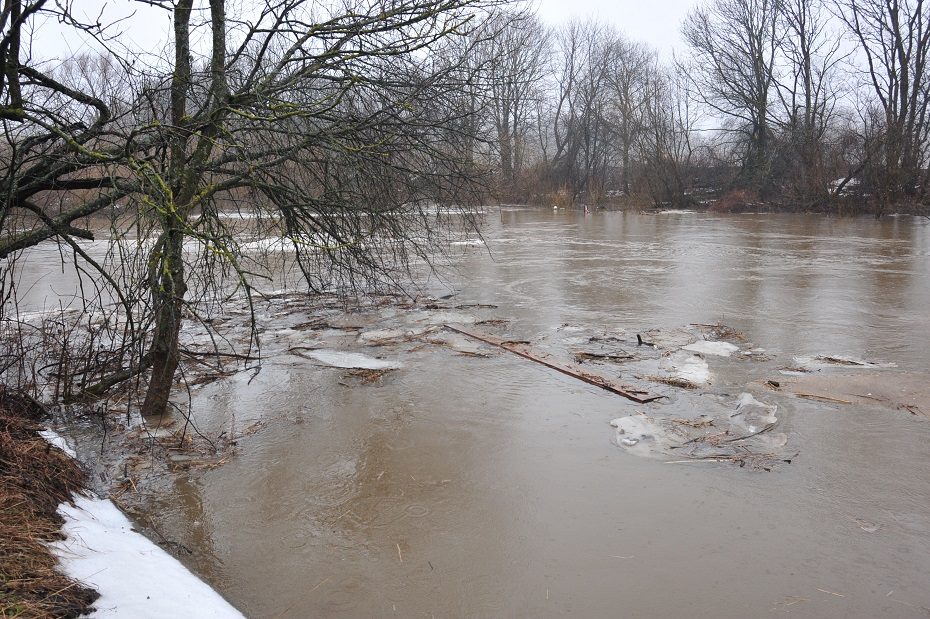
[686, 366]
[351, 360]
[706, 347]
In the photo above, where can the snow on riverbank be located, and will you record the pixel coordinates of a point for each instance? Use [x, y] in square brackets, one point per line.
[135, 578]
[57, 440]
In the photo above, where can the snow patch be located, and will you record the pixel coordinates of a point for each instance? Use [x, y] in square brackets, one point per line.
[351, 360]
[135, 578]
[719, 349]
[57, 440]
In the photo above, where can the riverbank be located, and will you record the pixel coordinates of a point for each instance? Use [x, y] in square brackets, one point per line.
[65, 552]
[35, 478]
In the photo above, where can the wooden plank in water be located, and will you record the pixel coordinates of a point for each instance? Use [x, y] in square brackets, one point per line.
[518, 348]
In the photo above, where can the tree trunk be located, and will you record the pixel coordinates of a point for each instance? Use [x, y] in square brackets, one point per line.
[169, 299]
[167, 263]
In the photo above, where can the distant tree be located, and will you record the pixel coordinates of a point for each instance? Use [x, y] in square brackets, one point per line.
[668, 146]
[810, 53]
[518, 44]
[631, 74]
[733, 46]
[894, 38]
[581, 126]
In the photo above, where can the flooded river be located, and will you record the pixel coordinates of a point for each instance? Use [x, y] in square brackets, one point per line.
[464, 485]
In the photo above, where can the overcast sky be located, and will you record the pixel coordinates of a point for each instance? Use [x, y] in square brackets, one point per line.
[656, 22]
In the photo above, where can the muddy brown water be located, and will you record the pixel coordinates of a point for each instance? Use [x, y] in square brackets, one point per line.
[463, 486]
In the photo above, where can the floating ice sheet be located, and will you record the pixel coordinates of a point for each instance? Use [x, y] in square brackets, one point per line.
[753, 414]
[643, 435]
[818, 362]
[705, 347]
[351, 360]
[686, 366]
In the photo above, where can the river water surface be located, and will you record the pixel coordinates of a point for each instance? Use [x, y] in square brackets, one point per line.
[490, 486]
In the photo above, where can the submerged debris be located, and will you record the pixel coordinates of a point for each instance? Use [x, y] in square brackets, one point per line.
[904, 391]
[717, 332]
[617, 356]
[820, 362]
[521, 349]
[672, 381]
[666, 338]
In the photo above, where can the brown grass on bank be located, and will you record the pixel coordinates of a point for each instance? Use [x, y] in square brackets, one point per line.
[34, 479]
[735, 201]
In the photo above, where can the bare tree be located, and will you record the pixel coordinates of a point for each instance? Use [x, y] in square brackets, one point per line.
[894, 38]
[343, 122]
[519, 47]
[732, 70]
[668, 144]
[806, 89]
[631, 67]
[581, 126]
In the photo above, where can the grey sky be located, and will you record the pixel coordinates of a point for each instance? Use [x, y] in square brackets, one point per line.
[656, 22]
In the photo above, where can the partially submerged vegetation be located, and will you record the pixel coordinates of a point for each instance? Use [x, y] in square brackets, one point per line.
[35, 478]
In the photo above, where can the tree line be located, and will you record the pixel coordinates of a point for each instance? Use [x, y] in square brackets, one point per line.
[799, 103]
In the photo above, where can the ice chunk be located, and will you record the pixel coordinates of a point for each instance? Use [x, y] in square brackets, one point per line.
[643, 435]
[824, 361]
[687, 366]
[753, 414]
[705, 347]
[379, 337]
[351, 360]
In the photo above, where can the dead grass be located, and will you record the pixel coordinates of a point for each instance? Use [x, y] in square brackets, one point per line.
[735, 201]
[34, 479]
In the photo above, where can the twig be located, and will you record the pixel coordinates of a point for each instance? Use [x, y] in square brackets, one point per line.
[814, 396]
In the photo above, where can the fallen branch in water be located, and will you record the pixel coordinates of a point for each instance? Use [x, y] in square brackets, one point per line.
[521, 349]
